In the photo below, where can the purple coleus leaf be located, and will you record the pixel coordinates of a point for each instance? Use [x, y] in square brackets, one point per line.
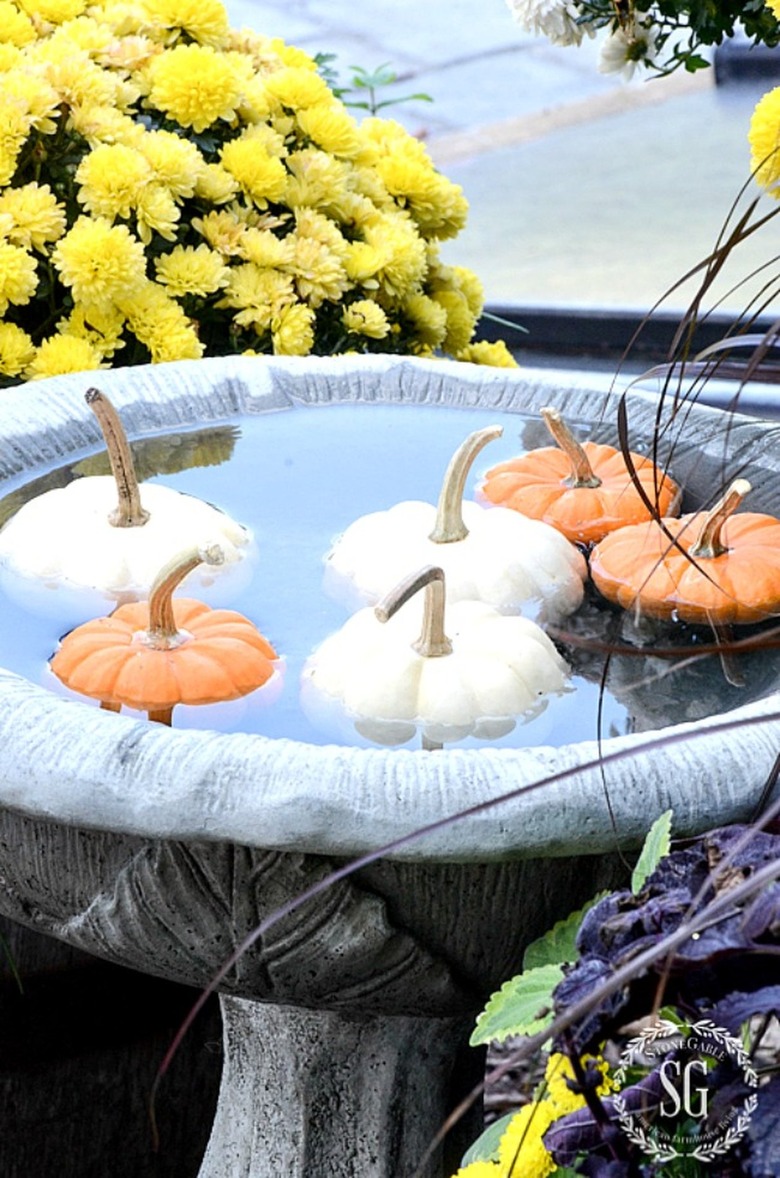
[735, 1009]
[579, 1132]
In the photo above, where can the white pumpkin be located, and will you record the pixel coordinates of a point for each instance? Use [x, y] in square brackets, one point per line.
[394, 674]
[491, 554]
[79, 541]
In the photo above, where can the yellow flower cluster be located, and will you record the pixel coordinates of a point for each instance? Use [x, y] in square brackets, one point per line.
[521, 1151]
[171, 188]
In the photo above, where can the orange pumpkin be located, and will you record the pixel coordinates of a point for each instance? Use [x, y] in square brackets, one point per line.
[156, 654]
[585, 491]
[718, 567]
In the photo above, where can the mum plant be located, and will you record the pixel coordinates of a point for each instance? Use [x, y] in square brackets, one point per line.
[172, 188]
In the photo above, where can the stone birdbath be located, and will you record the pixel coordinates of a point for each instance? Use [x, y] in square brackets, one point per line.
[162, 848]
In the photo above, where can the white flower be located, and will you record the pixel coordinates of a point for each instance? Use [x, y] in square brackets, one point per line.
[626, 48]
[554, 19]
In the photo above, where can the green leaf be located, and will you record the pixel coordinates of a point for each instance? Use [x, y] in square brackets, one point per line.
[522, 1006]
[557, 946]
[656, 847]
[485, 1148]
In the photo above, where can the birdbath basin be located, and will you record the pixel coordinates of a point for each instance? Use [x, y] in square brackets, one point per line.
[163, 848]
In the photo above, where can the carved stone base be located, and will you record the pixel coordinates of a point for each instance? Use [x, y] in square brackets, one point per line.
[325, 1095]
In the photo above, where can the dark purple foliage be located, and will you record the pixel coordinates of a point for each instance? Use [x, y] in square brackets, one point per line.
[737, 953]
[735, 1009]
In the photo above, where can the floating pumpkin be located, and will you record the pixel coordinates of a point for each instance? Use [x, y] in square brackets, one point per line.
[394, 673]
[156, 654]
[103, 536]
[709, 566]
[495, 555]
[584, 490]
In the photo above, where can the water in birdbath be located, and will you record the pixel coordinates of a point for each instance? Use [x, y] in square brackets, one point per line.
[298, 478]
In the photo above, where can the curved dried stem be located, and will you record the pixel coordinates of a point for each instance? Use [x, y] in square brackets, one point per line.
[449, 524]
[433, 643]
[581, 471]
[128, 513]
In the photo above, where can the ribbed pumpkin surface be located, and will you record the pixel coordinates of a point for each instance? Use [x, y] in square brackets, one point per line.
[223, 657]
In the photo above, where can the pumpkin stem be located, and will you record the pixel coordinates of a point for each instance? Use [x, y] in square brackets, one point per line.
[708, 543]
[161, 716]
[162, 633]
[128, 513]
[433, 642]
[581, 471]
[449, 524]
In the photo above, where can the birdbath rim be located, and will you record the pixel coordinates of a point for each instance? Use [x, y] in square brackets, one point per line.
[67, 762]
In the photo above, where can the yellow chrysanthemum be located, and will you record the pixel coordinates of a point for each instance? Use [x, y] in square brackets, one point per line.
[191, 270]
[63, 353]
[774, 6]
[521, 1151]
[292, 331]
[293, 56]
[102, 329]
[437, 205]
[160, 325]
[428, 318]
[36, 215]
[310, 223]
[223, 231]
[174, 161]
[259, 295]
[85, 33]
[10, 57]
[38, 98]
[316, 180]
[256, 104]
[297, 87]
[18, 276]
[100, 262]
[79, 81]
[157, 212]
[460, 320]
[480, 1170]
[53, 11]
[470, 286]
[16, 349]
[764, 137]
[559, 1073]
[16, 28]
[111, 179]
[261, 176]
[15, 126]
[495, 355]
[388, 138]
[104, 124]
[214, 185]
[195, 85]
[264, 248]
[392, 257]
[319, 273]
[331, 128]
[365, 317]
[128, 53]
[204, 21]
